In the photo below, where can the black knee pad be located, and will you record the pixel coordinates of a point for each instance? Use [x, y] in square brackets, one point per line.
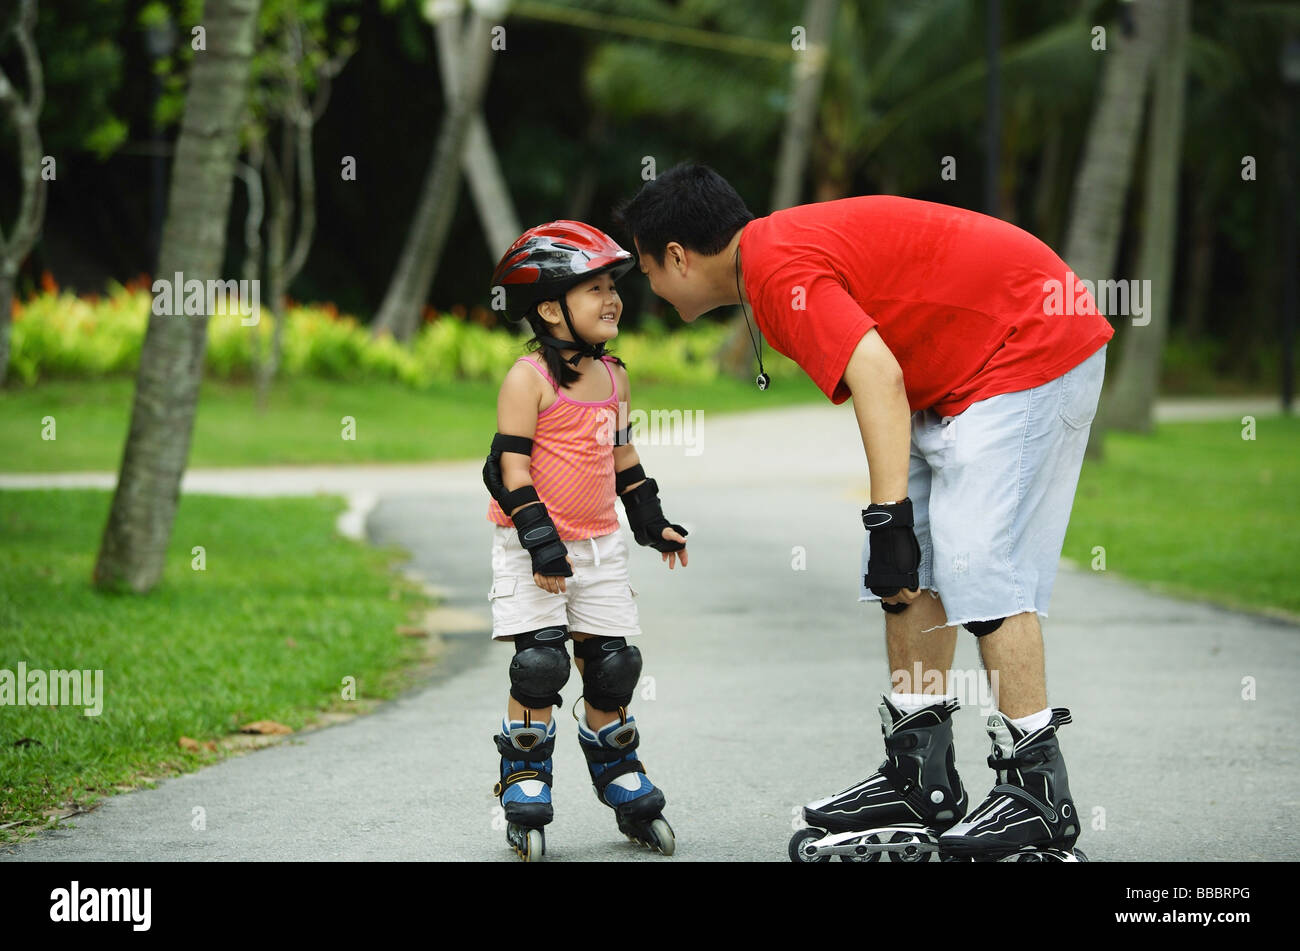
[980, 628]
[540, 667]
[610, 670]
[894, 608]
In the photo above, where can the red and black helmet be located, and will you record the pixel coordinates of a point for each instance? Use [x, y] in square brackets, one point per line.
[547, 260]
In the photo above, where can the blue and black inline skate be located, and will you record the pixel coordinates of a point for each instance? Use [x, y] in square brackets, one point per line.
[620, 782]
[525, 786]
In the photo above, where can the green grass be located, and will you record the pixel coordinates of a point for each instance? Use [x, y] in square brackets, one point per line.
[284, 611]
[302, 423]
[1197, 510]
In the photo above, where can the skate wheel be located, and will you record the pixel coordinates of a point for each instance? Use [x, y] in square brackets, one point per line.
[908, 851]
[798, 846]
[662, 833]
[864, 854]
[1078, 854]
[536, 846]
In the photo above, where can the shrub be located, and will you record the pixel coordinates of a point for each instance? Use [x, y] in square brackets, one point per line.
[60, 335]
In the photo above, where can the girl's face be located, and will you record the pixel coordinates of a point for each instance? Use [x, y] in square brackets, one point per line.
[595, 307]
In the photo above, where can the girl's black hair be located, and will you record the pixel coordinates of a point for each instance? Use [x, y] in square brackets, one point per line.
[563, 373]
[690, 204]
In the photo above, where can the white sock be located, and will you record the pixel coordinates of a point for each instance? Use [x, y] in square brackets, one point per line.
[1035, 721]
[911, 702]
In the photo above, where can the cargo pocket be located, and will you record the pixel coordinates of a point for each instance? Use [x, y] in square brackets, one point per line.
[502, 588]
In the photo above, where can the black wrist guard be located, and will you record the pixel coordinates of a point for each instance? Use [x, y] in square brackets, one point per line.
[540, 539]
[646, 516]
[895, 552]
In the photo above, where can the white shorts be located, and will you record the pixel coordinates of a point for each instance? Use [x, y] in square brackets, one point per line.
[596, 600]
[992, 489]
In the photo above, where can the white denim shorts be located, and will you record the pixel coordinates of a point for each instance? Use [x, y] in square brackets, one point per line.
[597, 600]
[992, 489]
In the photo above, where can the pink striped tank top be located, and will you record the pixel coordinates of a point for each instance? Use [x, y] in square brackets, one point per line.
[572, 464]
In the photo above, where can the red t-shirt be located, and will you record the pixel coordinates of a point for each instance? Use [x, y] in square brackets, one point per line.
[957, 296]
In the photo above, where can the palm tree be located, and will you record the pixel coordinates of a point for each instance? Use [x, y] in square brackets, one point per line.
[135, 540]
[1132, 396]
[1106, 170]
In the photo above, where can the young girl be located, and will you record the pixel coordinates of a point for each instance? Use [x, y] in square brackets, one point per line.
[559, 562]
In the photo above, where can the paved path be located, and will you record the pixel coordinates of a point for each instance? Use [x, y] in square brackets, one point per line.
[765, 684]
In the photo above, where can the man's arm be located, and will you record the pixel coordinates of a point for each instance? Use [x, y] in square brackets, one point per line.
[884, 416]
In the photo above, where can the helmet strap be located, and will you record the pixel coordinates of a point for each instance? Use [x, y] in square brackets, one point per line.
[582, 348]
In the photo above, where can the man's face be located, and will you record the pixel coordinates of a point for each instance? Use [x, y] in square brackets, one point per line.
[676, 281]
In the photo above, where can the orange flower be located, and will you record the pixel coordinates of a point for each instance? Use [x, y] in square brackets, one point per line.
[48, 284]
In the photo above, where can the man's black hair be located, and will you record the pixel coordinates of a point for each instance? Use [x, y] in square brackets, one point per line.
[690, 204]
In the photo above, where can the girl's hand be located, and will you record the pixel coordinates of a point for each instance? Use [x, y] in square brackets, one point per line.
[552, 583]
[672, 556]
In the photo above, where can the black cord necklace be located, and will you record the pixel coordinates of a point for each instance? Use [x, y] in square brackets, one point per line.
[763, 380]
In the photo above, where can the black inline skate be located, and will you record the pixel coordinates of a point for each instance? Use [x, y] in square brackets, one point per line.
[900, 809]
[620, 782]
[525, 785]
[1029, 816]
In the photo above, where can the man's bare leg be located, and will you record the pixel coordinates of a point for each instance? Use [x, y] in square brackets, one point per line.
[907, 646]
[1015, 652]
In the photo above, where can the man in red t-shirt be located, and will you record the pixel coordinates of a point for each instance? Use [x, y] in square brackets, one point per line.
[974, 389]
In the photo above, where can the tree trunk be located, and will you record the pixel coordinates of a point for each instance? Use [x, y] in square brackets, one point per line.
[583, 191]
[1046, 218]
[279, 181]
[496, 211]
[6, 314]
[250, 173]
[1101, 188]
[736, 356]
[1106, 169]
[801, 112]
[134, 547]
[1133, 395]
[399, 314]
[1200, 267]
[294, 165]
[22, 113]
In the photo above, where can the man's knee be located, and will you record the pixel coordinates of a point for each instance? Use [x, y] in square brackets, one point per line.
[982, 628]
